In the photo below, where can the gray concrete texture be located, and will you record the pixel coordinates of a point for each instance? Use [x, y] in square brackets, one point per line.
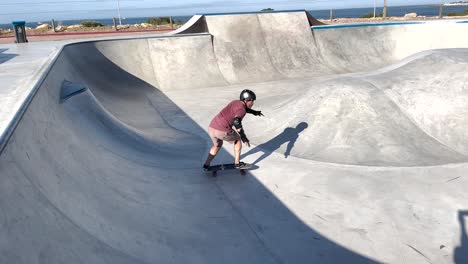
[361, 154]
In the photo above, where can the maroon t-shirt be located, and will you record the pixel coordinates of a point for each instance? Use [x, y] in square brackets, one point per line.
[224, 120]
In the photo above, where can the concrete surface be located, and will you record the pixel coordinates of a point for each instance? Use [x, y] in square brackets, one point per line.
[362, 153]
[79, 36]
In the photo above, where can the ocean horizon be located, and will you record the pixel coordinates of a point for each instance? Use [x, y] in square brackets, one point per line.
[396, 11]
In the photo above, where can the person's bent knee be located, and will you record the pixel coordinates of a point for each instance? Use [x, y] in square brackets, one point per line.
[218, 144]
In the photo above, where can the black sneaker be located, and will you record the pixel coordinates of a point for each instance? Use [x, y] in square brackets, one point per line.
[205, 167]
[240, 165]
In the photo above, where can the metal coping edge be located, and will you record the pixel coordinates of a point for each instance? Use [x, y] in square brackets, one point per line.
[322, 27]
[252, 12]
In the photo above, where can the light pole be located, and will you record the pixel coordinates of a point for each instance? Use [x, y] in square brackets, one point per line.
[374, 8]
[384, 8]
[118, 11]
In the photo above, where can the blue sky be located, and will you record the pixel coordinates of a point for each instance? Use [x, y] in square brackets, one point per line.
[39, 10]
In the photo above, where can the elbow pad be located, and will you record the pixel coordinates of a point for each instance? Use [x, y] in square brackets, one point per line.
[237, 122]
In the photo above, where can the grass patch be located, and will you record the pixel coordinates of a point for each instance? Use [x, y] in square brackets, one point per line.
[91, 24]
[464, 13]
[158, 21]
[371, 15]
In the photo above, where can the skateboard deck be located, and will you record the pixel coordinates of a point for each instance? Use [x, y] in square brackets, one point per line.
[229, 166]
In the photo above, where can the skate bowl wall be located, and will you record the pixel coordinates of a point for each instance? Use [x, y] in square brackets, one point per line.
[362, 48]
[275, 52]
[99, 176]
[275, 46]
[103, 177]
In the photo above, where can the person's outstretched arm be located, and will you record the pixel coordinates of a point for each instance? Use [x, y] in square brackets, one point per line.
[253, 112]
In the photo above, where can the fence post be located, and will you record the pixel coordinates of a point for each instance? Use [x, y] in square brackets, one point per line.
[115, 24]
[331, 14]
[53, 25]
[172, 24]
[441, 8]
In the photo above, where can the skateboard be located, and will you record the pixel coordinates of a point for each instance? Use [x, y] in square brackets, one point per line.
[230, 166]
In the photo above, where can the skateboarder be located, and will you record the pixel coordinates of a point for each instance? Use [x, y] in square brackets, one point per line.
[221, 127]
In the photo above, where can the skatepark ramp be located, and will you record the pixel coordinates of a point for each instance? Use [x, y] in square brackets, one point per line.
[360, 154]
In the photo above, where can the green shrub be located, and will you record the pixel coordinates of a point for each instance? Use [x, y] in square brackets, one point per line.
[371, 15]
[91, 24]
[267, 10]
[464, 13]
[158, 20]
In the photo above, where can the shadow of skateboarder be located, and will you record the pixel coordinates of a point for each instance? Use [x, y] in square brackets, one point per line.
[461, 252]
[289, 135]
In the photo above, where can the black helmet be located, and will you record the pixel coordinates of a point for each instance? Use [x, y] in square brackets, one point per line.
[247, 95]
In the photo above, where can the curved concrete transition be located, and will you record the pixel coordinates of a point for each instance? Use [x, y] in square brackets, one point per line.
[362, 153]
